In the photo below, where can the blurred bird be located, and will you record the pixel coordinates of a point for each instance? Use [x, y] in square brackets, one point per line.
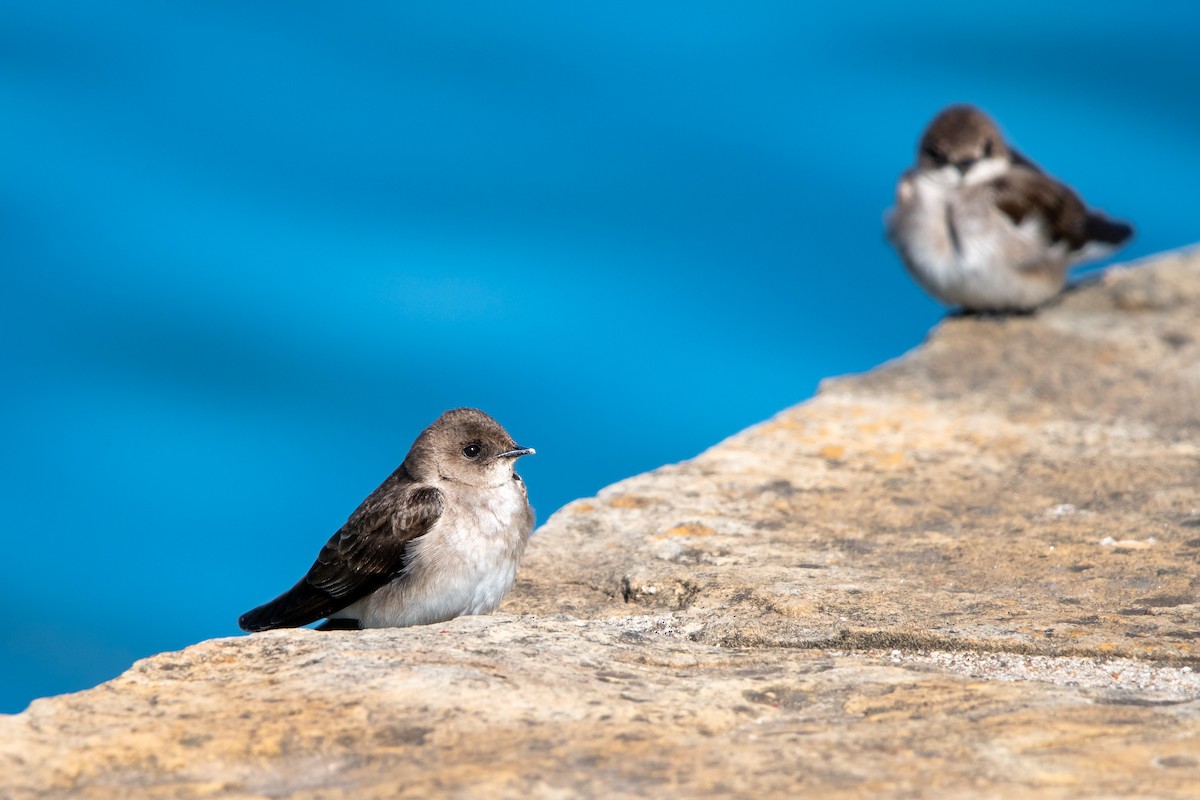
[981, 226]
[440, 538]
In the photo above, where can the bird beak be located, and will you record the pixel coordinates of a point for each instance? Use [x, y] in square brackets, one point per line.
[520, 451]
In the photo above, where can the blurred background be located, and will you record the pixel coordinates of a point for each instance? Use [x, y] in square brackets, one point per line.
[248, 253]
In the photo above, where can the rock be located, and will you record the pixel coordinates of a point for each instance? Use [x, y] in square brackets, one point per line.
[1027, 485]
[972, 571]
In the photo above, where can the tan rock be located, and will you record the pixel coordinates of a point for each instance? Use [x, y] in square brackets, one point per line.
[971, 572]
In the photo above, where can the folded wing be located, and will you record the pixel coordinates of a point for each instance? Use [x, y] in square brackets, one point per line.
[366, 553]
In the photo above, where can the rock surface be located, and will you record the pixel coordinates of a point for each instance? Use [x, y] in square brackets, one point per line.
[972, 571]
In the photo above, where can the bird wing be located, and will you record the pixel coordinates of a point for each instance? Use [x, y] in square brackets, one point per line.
[367, 552]
[1022, 193]
[1021, 160]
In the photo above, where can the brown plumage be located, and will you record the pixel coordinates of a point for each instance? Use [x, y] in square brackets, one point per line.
[981, 226]
[442, 536]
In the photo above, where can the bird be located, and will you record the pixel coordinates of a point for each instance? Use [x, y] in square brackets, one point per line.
[980, 226]
[441, 537]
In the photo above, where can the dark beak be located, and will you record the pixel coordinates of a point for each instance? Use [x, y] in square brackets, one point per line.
[520, 451]
[964, 165]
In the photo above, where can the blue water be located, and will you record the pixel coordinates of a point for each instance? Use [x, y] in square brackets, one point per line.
[247, 253]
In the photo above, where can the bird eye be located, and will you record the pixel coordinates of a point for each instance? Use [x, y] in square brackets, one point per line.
[933, 155]
[987, 149]
[472, 451]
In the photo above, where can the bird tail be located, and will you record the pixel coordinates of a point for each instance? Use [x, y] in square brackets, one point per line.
[1102, 237]
[1101, 229]
[300, 605]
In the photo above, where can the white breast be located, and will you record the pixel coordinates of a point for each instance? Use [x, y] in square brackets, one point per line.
[464, 565]
[965, 251]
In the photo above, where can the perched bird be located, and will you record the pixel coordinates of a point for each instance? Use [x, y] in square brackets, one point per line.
[981, 226]
[441, 537]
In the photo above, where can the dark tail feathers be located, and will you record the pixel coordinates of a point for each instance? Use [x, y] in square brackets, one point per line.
[297, 606]
[1099, 228]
